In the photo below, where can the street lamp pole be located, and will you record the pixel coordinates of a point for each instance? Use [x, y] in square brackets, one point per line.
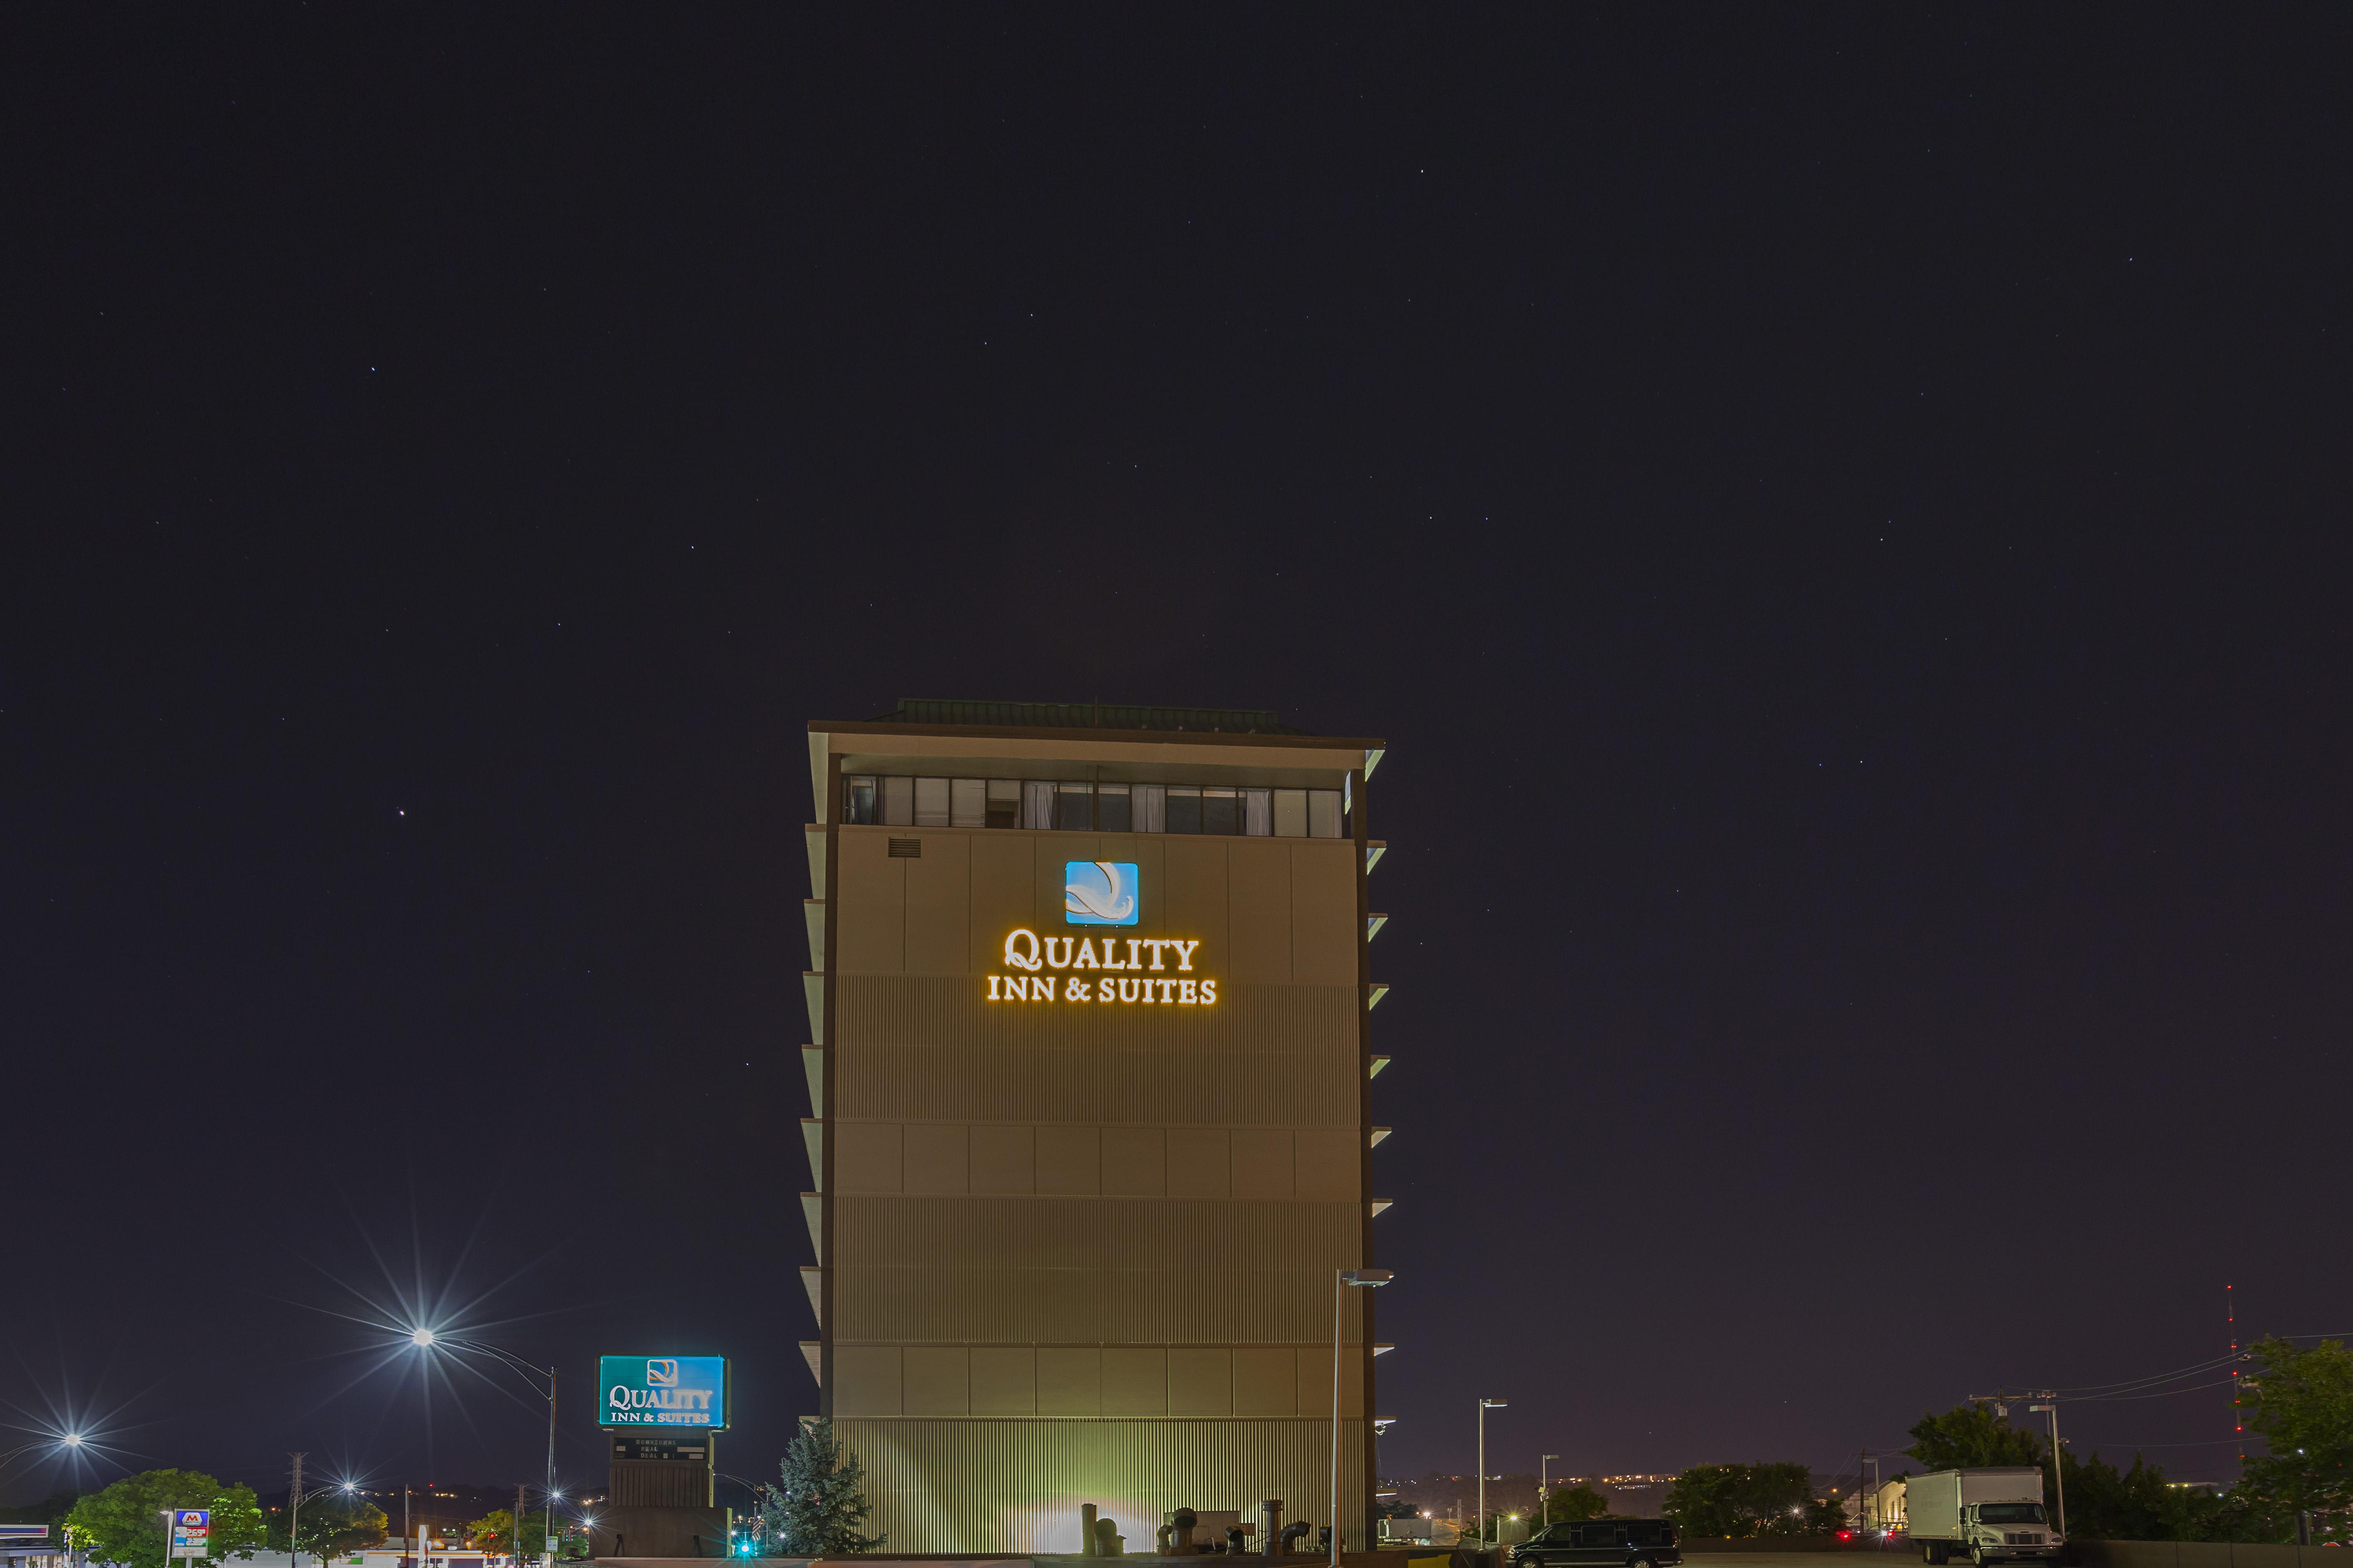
[547, 1505]
[424, 1338]
[294, 1501]
[1544, 1484]
[1341, 1280]
[1485, 1404]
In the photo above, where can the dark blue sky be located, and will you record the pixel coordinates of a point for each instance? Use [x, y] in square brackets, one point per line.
[1840, 513]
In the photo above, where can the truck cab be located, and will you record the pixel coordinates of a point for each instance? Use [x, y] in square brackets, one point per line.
[2007, 1531]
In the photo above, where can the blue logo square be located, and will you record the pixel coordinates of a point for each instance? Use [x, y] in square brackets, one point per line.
[1098, 892]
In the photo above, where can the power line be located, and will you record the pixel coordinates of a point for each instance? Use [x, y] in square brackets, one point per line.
[2201, 1443]
[2089, 1390]
[2163, 1394]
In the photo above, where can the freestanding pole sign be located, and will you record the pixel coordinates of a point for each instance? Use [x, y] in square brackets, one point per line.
[192, 1530]
[663, 1416]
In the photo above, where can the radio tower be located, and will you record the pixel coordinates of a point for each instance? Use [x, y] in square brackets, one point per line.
[2238, 1418]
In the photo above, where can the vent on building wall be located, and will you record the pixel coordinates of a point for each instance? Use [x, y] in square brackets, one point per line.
[906, 849]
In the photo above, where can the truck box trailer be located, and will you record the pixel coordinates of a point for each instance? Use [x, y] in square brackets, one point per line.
[1985, 1516]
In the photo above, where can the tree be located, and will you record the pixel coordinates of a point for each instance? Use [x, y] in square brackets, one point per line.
[124, 1523]
[2300, 1400]
[1741, 1500]
[332, 1527]
[1969, 1437]
[2104, 1504]
[239, 1525]
[50, 1510]
[819, 1497]
[1579, 1501]
[494, 1531]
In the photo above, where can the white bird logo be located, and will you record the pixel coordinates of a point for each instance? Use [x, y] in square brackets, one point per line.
[1112, 902]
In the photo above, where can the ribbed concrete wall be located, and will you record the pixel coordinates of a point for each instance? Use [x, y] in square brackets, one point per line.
[1046, 1215]
[1263, 1056]
[1019, 1484]
[1002, 1270]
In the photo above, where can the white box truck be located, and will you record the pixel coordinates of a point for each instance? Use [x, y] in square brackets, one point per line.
[1985, 1516]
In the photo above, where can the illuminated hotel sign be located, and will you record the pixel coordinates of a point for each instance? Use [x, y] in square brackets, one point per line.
[1111, 973]
[664, 1391]
[1155, 970]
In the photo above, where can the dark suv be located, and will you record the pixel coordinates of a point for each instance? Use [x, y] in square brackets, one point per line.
[1621, 1543]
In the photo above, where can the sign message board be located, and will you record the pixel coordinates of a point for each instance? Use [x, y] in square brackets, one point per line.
[192, 1532]
[664, 1391]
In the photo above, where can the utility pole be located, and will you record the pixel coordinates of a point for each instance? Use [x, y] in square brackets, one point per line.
[294, 1514]
[2058, 1470]
[2058, 1474]
[514, 1547]
[1544, 1484]
[407, 1540]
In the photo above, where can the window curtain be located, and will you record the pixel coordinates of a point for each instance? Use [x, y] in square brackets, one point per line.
[1258, 813]
[1151, 808]
[968, 804]
[1322, 814]
[1036, 803]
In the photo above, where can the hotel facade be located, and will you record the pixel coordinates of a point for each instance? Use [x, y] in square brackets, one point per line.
[1089, 1068]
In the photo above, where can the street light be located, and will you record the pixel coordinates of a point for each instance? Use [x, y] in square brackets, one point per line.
[296, 1497]
[1341, 1280]
[1485, 1404]
[426, 1339]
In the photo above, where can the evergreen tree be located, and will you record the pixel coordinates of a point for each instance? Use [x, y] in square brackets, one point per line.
[819, 1497]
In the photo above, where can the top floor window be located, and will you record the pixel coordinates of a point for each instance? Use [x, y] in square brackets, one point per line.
[1061, 806]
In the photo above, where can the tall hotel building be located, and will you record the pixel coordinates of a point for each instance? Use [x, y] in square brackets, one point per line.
[1090, 1059]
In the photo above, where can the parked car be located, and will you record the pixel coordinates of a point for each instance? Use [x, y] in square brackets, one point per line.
[1621, 1543]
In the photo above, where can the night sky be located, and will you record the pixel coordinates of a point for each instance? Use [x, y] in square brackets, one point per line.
[1841, 514]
